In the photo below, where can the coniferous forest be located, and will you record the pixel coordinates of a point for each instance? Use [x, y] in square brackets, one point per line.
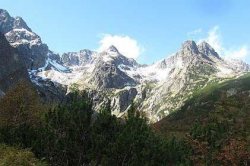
[32, 133]
[124, 83]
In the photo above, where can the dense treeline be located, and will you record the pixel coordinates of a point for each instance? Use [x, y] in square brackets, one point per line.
[73, 134]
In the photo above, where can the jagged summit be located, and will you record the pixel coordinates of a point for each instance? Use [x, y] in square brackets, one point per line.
[112, 48]
[110, 54]
[205, 44]
[30, 46]
[4, 13]
[189, 43]
[7, 23]
[190, 46]
[77, 58]
[86, 51]
[207, 49]
[19, 23]
[161, 87]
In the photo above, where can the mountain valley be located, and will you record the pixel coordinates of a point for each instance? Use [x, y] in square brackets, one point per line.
[109, 76]
[92, 107]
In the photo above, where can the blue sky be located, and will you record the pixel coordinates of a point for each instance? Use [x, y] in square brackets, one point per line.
[147, 30]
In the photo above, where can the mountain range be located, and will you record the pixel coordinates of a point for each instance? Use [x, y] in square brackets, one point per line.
[108, 76]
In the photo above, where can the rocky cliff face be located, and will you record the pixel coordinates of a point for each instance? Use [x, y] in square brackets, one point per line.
[9, 23]
[110, 77]
[186, 71]
[161, 88]
[77, 58]
[189, 70]
[29, 44]
[27, 56]
[12, 68]
[106, 73]
[205, 49]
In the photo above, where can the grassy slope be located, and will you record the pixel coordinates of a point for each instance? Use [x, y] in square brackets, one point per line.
[10, 156]
[214, 100]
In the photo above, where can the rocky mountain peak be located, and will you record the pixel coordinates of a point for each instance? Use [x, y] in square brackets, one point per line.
[6, 21]
[207, 50]
[19, 23]
[162, 64]
[204, 44]
[19, 35]
[4, 13]
[112, 48]
[189, 46]
[111, 54]
[77, 58]
[86, 51]
[238, 65]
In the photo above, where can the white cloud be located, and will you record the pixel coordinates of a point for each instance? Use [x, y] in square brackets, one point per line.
[126, 45]
[240, 53]
[215, 40]
[195, 32]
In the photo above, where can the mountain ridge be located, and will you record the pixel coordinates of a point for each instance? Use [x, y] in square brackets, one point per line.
[220, 100]
[111, 76]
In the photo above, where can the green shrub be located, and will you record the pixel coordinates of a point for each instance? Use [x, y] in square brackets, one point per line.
[10, 156]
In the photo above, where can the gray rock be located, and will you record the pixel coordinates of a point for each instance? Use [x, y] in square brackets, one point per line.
[19, 23]
[189, 47]
[239, 65]
[6, 21]
[30, 47]
[108, 75]
[1, 93]
[54, 56]
[126, 97]
[207, 50]
[51, 92]
[77, 58]
[231, 92]
[12, 67]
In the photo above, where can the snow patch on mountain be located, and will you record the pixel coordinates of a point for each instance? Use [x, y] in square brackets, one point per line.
[223, 71]
[161, 87]
[22, 36]
[57, 66]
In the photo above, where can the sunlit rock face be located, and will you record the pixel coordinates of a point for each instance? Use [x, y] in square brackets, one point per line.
[160, 88]
[109, 76]
[28, 43]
